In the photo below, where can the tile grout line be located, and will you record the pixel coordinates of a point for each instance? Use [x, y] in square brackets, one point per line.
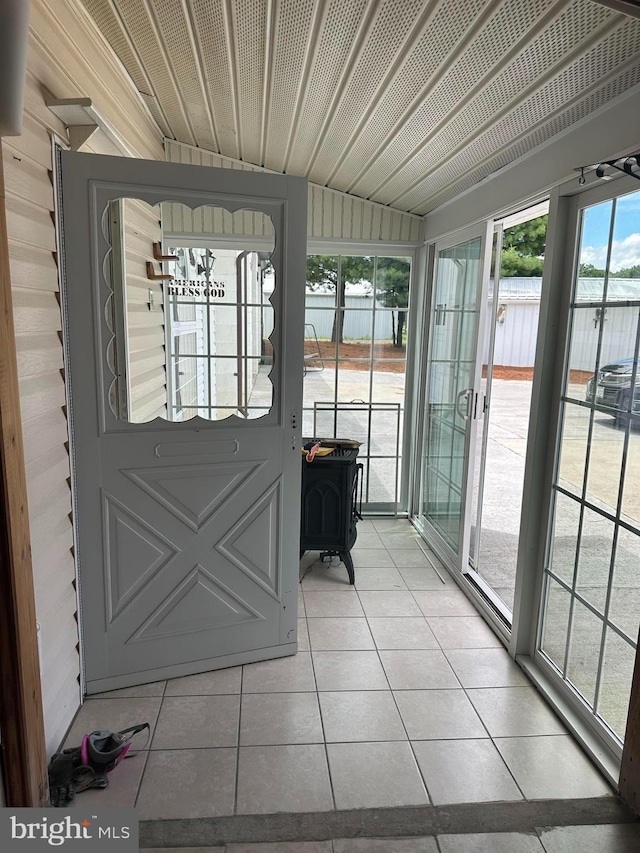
[237, 774]
[477, 714]
[459, 682]
[324, 736]
[148, 751]
[443, 651]
[493, 738]
[377, 651]
[490, 738]
[395, 702]
[144, 770]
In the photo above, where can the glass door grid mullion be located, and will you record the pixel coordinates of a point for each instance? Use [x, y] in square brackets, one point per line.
[581, 499]
[585, 477]
[243, 360]
[616, 528]
[596, 509]
[602, 611]
[579, 597]
[436, 469]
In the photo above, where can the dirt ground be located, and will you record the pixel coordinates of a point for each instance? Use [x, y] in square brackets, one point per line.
[348, 351]
[501, 371]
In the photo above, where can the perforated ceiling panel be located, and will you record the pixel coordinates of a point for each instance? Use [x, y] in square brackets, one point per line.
[383, 44]
[504, 94]
[213, 43]
[443, 39]
[528, 122]
[110, 23]
[473, 93]
[292, 51]
[181, 52]
[332, 56]
[139, 22]
[405, 102]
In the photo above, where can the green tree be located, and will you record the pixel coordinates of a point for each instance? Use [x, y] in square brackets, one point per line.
[392, 291]
[330, 274]
[515, 265]
[527, 238]
[523, 248]
[589, 271]
[628, 272]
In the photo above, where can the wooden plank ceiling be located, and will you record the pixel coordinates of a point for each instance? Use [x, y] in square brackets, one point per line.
[404, 102]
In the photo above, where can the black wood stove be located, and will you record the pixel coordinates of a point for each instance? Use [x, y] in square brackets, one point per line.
[331, 501]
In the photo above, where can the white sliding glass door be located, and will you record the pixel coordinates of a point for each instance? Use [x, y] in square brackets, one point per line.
[591, 593]
[452, 402]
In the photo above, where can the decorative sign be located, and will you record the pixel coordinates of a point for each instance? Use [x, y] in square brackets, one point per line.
[41, 830]
[182, 287]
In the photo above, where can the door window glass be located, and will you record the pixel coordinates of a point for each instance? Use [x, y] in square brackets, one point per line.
[191, 311]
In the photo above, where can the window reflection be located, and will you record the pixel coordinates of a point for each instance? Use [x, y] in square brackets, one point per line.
[224, 296]
[192, 316]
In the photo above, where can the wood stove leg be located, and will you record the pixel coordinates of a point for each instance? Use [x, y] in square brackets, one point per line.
[345, 556]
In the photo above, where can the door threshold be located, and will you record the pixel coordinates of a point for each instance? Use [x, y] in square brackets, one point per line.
[400, 821]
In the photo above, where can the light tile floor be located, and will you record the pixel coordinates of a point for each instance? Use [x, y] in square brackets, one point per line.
[399, 695]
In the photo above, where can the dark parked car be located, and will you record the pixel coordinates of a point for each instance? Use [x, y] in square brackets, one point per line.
[613, 390]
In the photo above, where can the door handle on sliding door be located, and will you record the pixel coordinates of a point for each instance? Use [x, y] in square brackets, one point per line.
[466, 392]
[480, 409]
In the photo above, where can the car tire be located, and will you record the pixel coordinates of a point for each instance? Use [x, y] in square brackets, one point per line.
[622, 418]
[622, 421]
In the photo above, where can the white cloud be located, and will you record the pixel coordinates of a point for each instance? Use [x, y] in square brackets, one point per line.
[624, 253]
[596, 255]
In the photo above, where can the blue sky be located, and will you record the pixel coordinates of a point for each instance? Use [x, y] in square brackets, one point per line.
[626, 238]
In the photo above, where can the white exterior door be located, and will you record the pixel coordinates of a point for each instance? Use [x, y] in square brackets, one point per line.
[187, 516]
